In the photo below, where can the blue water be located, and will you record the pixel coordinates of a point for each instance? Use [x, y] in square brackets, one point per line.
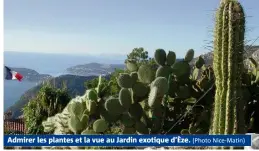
[53, 64]
[13, 91]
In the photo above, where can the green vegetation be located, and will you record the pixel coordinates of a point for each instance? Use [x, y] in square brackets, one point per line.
[74, 84]
[48, 102]
[228, 66]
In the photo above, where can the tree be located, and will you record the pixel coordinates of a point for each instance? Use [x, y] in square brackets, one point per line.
[140, 56]
[48, 102]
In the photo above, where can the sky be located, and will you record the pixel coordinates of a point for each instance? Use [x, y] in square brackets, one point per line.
[115, 26]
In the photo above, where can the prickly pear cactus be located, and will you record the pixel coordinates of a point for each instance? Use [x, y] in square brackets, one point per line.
[76, 117]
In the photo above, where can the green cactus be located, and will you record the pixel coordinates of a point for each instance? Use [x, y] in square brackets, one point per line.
[113, 106]
[189, 55]
[77, 124]
[181, 68]
[92, 95]
[146, 73]
[126, 120]
[140, 90]
[131, 65]
[228, 66]
[170, 58]
[92, 106]
[163, 71]
[162, 84]
[100, 126]
[135, 111]
[199, 63]
[141, 128]
[76, 108]
[192, 129]
[107, 116]
[160, 57]
[195, 74]
[134, 77]
[159, 87]
[125, 80]
[125, 98]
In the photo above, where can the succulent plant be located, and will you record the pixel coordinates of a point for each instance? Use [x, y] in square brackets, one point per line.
[228, 66]
[150, 101]
[189, 55]
[146, 73]
[100, 126]
[160, 57]
[170, 58]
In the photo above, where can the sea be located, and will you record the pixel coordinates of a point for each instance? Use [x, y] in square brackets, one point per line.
[44, 63]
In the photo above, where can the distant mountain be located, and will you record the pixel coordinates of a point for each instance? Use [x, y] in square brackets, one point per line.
[74, 84]
[31, 75]
[252, 51]
[94, 69]
[56, 64]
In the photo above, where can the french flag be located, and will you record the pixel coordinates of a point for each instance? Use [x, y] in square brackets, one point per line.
[12, 75]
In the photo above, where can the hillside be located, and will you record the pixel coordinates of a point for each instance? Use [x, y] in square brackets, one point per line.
[249, 52]
[94, 69]
[31, 75]
[74, 84]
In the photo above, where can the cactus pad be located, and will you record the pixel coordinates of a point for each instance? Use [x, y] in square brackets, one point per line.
[160, 57]
[125, 80]
[189, 55]
[141, 128]
[181, 68]
[134, 77]
[140, 90]
[100, 126]
[146, 73]
[113, 106]
[162, 84]
[195, 73]
[75, 125]
[135, 111]
[172, 88]
[92, 107]
[163, 71]
[125, 98]
[200, 62]
[76, 108]
[107, 116]
[192, 129]
[92, 95]
[131, 65]
[153, 99]
[126, 120]
[170, 58]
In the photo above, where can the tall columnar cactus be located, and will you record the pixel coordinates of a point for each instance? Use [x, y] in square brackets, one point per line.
[228, 65]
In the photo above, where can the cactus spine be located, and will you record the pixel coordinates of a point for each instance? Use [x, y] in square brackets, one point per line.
[228, 65]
